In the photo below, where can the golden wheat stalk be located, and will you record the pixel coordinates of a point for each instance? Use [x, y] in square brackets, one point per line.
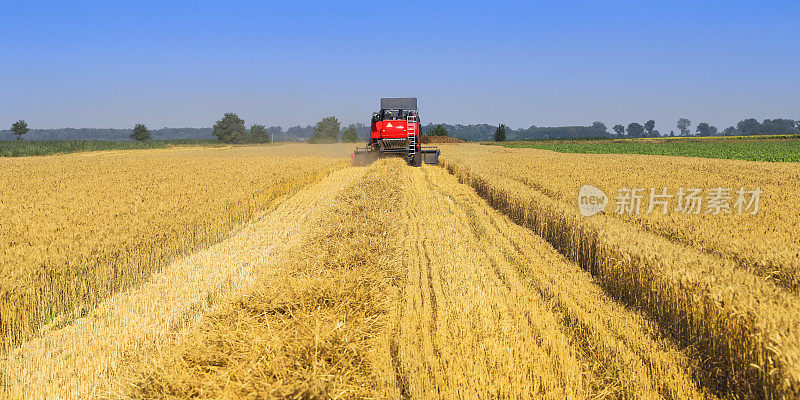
[743, 328]
[79, 227]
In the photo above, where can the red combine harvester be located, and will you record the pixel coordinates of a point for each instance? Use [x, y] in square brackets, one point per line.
[395, 132]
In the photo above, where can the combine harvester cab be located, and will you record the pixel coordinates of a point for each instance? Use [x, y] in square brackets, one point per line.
[395, 131]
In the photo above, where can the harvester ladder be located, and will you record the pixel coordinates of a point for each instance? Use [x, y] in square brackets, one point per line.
[411, 134]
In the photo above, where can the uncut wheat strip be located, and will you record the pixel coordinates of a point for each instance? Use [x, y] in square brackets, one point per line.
[74, 362]
[621, 342]
[765, 244]
[466, 338]
[738, 319]
[135, 212]
[618, 339]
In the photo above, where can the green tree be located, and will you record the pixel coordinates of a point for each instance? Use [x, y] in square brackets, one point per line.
[683, 126]
[730, 131]
[704, 129]
[326, 131]
[19, 128]
[649, 127]
[350, 135]
[259, 134]
[749, 126]
[438, 130]
[635, 130]
[230, 129]
[275, 132]
[619, 129]
[500, 133]
[778, 126]
[140, 132]
[600, 128]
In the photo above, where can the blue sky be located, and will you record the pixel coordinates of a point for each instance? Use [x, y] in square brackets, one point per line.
[177, 64]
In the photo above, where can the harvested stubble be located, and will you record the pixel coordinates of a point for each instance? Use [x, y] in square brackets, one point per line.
[744, 329]
[314, 327]
[490, 310]
[415, 288]
[79, 227]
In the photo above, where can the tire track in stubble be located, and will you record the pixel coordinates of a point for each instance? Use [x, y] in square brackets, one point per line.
[421, 256]
[612, 349]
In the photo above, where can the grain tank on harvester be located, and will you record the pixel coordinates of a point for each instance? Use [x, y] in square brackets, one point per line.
[395, 131]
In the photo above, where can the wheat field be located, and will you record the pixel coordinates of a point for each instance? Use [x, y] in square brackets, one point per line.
[374, 305]
[79, 227]
[707, 287]
[473, 279]
[766, 243]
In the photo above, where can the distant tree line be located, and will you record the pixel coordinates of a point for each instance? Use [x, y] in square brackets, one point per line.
[487, 132]
[749, 126]
[304, 133]
[350, 134]
[436, 130]
[108, 134]
[233, 130]
[633, 130]
[326, 131]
